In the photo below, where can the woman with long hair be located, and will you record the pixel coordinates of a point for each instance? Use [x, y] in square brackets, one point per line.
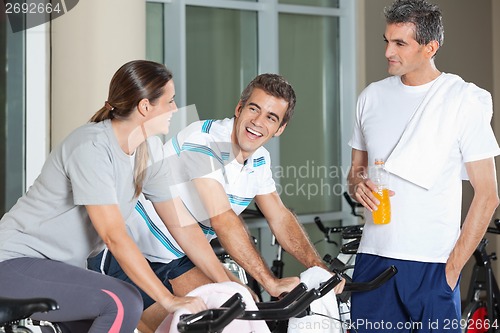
[87, 188]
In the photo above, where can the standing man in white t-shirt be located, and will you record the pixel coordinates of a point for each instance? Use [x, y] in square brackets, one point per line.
[426, 125]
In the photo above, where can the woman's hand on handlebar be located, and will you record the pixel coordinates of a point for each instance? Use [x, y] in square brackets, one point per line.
[339, 288]
[192, 304]
[255, 297]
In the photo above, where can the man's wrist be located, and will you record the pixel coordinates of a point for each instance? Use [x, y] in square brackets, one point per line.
[270, 284]
[319, 263]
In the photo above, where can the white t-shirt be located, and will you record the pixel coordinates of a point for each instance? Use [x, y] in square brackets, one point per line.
[425, 224]
[202, 150]
[87, 168]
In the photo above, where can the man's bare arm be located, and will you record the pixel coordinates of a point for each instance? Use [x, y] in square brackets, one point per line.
[482, 177]
[288, 231]
[235, 239]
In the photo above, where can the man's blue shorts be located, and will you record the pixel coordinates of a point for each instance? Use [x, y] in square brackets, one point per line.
[164, 272]
[416, 299]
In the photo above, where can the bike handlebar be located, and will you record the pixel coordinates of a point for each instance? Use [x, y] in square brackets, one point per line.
[348, 232]
[286, 300]
[373, 284]
[296, 309]
[213, 320]
[353, 204]
[294, 304]
[496, 230]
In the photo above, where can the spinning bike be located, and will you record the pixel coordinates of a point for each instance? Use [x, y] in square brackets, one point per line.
[294, 304]
[481, 313]
[15, 313]
[343, 265]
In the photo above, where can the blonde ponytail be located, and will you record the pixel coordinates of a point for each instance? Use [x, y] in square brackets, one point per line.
[141, 164]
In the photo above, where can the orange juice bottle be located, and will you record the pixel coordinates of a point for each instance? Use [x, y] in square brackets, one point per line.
[380, 177]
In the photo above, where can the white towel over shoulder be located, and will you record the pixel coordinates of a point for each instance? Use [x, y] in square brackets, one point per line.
[326, 305]
[424, 147]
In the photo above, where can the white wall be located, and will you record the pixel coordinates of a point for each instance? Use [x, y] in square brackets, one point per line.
[89, 43]
[37, 100]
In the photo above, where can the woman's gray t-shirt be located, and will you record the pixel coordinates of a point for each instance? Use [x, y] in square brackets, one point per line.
[88, 168]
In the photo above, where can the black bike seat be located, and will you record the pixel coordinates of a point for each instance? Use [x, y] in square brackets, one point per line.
[16, 309]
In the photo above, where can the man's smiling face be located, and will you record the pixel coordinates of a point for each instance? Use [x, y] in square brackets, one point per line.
[257, 121]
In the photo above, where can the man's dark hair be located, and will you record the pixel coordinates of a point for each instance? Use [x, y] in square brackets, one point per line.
[274, 85]
[426, 17]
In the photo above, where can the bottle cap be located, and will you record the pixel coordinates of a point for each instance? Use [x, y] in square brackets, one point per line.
[379, 161]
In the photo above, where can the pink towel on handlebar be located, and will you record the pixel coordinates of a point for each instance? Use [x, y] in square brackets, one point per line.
[214, 295]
